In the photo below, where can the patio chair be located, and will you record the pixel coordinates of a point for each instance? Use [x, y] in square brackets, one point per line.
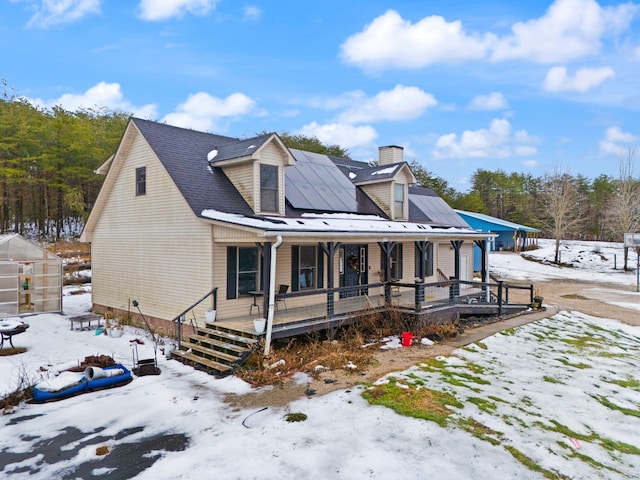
[281, 290]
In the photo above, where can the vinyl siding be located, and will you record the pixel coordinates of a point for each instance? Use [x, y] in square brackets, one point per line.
[150, 248]
[382, 194]
[243, 178]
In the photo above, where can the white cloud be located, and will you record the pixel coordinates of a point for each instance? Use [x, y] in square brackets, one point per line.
[346, 136]
[493, 101]
[56, 12]
[389, 41]
[569, 29]
[201, 111]
[496, 141]
[401, 103]
[102, 95]
[252, 13]
[154, 10]
[617, 142]
[529, 163]
[585, 79]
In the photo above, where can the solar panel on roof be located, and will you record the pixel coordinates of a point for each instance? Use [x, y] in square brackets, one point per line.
[438, 210]
[314, 182]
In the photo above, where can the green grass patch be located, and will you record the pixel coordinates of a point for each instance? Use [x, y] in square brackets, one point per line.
[629, 382]
[546, 378]
[593, 437]
[531, 464]
[483, 404]
[424, 403]
[509, 332]
[584, 342]
[482, 345]
[566, 362]
[295, 417]
[479, 430]
[587, 459]
[612, 406]
[433, 365]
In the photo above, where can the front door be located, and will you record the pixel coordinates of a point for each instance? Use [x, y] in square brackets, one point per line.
[353, 269]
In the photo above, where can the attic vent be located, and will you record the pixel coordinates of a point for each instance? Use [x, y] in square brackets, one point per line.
[211, 155]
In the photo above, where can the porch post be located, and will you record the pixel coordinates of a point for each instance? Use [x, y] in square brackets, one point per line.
[265, 250]
[484, 271]
[456, 244]
[386, 248]
[330, 250]
[423, 246]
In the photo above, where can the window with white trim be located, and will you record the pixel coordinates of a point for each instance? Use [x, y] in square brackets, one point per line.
[269, 198]
[398, 200]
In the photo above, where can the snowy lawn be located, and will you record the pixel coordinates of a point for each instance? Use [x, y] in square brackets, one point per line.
[590, 261]
[559, 398]
[561, 395]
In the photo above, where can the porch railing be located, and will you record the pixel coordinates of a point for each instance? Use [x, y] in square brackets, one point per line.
[417, 296]
[181, 317]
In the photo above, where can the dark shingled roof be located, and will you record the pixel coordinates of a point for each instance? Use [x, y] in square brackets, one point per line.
[183, 153]
[240, 148]
[376, 174]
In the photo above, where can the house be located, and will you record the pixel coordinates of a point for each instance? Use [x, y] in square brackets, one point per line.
[510, 235]
[30, 277]
[189, 222]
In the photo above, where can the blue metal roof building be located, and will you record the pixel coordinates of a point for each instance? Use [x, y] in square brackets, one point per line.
[511, 236]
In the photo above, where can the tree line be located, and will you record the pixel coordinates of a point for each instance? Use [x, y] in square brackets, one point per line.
[47, 163]
[48, 183]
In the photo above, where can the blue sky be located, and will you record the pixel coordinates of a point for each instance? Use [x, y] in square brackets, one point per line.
[519, 86]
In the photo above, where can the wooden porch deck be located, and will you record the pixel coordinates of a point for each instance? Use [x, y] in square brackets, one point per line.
[313, 316]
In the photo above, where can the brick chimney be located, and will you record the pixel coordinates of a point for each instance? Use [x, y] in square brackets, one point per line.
[390, 154]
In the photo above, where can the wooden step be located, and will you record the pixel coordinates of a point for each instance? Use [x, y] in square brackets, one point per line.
[218, 344]
[207, 352]
[196, 360]
[226, 335]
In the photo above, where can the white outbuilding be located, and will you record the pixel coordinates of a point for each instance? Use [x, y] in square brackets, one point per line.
[30, 277]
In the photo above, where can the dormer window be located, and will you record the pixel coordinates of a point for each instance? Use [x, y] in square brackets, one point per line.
[141, 181]
[269, 198]
[398, 201]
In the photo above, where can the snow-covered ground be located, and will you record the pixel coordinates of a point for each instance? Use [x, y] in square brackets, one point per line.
[590, 261]
[562, 395]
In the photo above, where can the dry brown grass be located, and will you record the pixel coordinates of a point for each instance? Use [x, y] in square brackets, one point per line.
[350, 348]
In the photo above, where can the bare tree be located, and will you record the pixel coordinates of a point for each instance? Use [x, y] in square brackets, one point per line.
[563, 206]
[624, 212]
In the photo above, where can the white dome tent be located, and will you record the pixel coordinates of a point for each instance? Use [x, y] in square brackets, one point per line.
[30, 277]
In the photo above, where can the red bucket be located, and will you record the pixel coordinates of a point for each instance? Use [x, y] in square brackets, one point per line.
[407, 338]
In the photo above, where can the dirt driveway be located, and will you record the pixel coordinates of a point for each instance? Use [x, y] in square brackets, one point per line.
[586, 297]
[593, 298]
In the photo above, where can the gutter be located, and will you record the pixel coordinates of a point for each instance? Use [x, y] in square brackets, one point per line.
[272, 295]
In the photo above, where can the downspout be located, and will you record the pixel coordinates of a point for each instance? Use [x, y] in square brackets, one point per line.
[272, 295]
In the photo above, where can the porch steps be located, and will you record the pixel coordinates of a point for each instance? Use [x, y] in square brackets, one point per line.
[215, 349]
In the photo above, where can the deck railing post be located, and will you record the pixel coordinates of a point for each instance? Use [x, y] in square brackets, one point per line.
[419, 295]
[179, 332]
[531, 294]
[387, 293]
[330, 303]
[500, 297]
[454, 289]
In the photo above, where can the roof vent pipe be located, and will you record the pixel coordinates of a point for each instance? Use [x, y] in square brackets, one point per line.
[390, 154]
